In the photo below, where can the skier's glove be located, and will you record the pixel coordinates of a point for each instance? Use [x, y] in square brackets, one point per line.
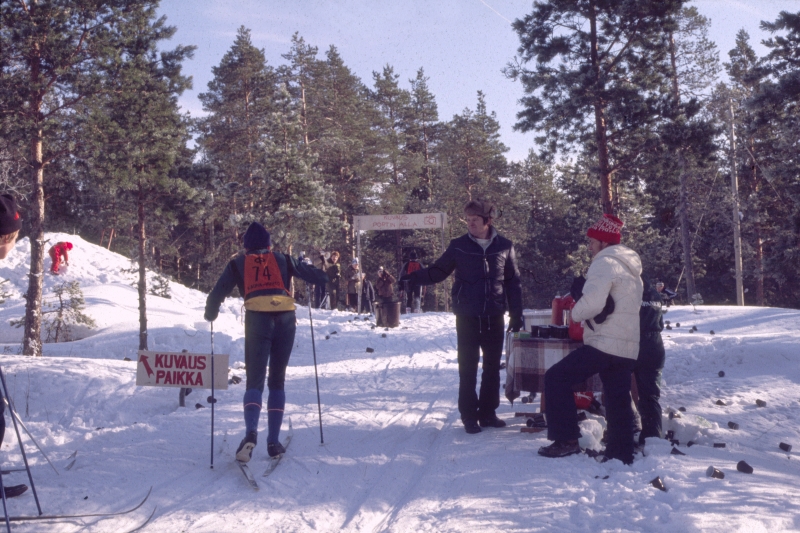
[211, 314]
[576, 290]
[515, 323]
[607, 310]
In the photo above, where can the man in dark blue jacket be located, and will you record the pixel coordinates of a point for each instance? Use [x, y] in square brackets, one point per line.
[263, 278]
[486, 282]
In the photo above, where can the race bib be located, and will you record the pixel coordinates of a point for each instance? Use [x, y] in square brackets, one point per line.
[261, 272]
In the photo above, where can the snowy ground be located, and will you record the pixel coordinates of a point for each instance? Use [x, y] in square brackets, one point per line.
[396, 457]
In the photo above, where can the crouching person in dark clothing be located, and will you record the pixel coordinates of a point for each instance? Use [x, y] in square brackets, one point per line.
[486, 280]
[263, 277]
[650, 363]
[609, 302]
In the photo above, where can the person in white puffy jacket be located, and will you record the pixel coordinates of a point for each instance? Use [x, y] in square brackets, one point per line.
[608, 305]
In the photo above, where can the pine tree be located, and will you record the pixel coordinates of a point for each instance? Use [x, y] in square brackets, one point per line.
[596, 79]
[773, 166]
[65, 311]
[138, 133]
[471, 159]
[341, 120]
[298, 206]
[239, 101]
[52, 55]
[687, 136]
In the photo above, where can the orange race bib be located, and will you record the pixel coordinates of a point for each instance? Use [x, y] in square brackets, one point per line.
[261, 272]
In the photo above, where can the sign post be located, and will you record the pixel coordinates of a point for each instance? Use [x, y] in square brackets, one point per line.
[182, 370]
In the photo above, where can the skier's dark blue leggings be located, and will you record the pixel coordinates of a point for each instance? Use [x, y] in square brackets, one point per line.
[268, 342]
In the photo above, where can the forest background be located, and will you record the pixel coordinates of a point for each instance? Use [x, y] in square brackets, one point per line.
[622, 99]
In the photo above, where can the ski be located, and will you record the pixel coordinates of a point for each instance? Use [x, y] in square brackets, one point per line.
[71, 516]
[275, 461]
[140, 526]
[248, 474]
[71, 463]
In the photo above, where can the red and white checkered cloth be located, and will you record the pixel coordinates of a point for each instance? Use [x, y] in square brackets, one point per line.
[528, 359]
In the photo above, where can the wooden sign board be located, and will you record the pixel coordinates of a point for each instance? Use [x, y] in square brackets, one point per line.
[397, 222]
[181, 369]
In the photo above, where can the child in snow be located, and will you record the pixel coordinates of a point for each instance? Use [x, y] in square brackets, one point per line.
[57, 251]
[10, 224]
[262, 277]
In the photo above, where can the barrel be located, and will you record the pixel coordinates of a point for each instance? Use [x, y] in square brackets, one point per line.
[388, 314]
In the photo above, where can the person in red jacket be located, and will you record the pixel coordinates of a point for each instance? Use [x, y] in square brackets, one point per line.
[57, 251]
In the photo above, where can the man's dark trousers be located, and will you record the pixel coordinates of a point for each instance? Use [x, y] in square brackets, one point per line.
[648, 380]
[560, 410]
[476, 334]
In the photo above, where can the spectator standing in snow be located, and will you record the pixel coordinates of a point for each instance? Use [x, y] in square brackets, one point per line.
[486, 281]
[10, 224]
[334, 271]
[650, 362]
[58, 251]
[263, 278]
[412, 294]
[354, 278]
[320, 289]
[385, 286]
[609, 301]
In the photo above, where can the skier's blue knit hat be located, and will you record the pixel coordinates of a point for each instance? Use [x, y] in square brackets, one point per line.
[256, 237]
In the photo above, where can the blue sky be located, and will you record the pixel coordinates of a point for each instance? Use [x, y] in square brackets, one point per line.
[462, 44]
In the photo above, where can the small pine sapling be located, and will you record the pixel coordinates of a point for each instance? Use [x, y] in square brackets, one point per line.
[159, 286]
[64, 311]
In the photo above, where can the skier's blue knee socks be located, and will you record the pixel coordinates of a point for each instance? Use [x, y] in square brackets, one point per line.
[252, 410]
[275, 403]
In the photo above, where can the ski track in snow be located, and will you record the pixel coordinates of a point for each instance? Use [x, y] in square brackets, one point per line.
[396, 457]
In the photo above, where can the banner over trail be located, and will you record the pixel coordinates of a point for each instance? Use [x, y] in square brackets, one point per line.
[398, 222]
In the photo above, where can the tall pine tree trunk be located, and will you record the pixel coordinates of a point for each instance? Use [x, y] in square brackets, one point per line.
[601, 136]
[686, 238]
[683, 198]
[32, 344]
[142, 285]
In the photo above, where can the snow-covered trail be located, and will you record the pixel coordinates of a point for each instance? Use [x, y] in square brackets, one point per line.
[396, 457]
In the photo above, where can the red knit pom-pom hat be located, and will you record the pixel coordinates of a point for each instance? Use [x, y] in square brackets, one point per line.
[607, 229]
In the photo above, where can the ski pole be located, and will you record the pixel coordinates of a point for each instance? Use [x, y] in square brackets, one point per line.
[316, 376]
[19, 440]
[211, 398]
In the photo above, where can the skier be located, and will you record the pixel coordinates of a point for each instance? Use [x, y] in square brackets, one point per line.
[608, 300]
[486, 280]
[57, 251]
[413, 295]
[262, 277]
[10, 225]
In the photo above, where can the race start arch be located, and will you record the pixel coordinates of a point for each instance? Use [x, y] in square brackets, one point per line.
[396, 222]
